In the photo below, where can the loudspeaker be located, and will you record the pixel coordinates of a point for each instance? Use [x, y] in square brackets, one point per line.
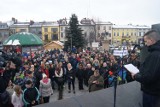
[128, 95]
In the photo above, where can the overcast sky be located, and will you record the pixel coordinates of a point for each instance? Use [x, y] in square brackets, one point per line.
[120, 12]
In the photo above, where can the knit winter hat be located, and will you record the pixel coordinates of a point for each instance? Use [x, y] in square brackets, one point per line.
[44, 75]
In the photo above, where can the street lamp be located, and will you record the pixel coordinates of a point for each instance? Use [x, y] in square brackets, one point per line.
[71, 41]
[70, 35]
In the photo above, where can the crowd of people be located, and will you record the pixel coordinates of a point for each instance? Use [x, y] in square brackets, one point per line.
[35, 75]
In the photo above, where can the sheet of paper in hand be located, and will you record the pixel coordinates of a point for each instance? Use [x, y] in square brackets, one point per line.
[131, 68]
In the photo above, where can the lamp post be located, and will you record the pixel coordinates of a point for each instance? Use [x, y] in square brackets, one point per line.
[71, 42]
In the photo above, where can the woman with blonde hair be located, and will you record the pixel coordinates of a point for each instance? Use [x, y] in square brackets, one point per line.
[17, 97]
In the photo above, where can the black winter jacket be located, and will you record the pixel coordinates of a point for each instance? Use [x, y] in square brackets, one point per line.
[149, 75]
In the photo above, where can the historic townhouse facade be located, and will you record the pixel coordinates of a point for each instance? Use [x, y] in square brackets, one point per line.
[63, 26]
[88, 30]
[92, 31]
[128, 34]
[4, 31]
[36, 28]
[103, 31]
[50, 31]
[20, 27]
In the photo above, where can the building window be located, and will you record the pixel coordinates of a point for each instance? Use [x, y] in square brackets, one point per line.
[61, 35]
[13, 30]
[122, 33]
[33, 30]
[39, 32]
[131, 33]
[45, 29]
[140, 34]
[45, 37]
[22, 30]
[109, 34]
[114, 33]
[117, 33]
[99, 35]
[109, 27]
[127, 34]
[102, 34]
[61, 28]
[98, 27]
[54, 30]
[66, 28]
[54, 37]
[104, 28]
[135, 34]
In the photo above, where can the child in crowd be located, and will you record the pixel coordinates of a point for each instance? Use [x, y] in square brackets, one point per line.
[17, 97]
[18, 80]
[30, 95]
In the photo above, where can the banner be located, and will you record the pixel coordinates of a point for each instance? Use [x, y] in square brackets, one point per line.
[120, 52]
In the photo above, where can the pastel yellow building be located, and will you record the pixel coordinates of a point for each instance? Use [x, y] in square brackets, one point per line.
[129, 34]
[50, 31]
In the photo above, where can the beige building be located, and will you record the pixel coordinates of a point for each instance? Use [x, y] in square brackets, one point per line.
[20, 27]
[128, 34]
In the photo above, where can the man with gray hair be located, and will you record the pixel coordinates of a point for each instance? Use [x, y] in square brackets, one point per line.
[149, 75]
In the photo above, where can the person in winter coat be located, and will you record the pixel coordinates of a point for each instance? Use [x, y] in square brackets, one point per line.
[149, 75]
[87, 73]
[5, 76]
[59, 79]
[45, 88]
[29, 76]
[104, 73]
[31, 95]
[38, 75]
[18, 80]
[96, 82]
[80, 76]
[52, 74]
[17, 97]
[70, 78]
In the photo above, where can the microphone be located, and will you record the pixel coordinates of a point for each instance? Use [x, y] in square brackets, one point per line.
[133, 50]
[136, 46]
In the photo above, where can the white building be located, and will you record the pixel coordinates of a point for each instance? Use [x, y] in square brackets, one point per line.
[103, 31]
[88, 30]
